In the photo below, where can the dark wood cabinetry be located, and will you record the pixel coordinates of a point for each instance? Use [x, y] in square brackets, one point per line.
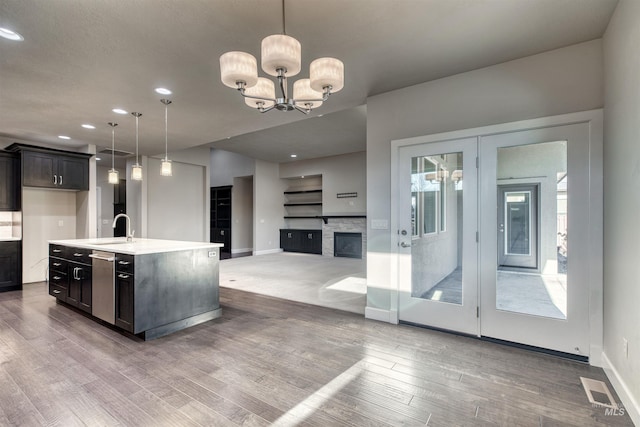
[10, 266]
[124, 292]
[307, 241]
[9, 182]
[49, 168]
[70, 275]
[221, 217]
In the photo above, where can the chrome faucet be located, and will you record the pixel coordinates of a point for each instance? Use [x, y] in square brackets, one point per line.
[129, 232]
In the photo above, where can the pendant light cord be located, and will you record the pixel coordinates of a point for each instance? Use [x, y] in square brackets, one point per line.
[113, 147]
[166, 145]
[284, 27]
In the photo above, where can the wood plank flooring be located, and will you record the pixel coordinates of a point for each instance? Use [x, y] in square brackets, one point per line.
[273, 362]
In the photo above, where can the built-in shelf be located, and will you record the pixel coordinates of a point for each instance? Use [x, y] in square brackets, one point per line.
[302, 191]
[325, 218]
[304, 204]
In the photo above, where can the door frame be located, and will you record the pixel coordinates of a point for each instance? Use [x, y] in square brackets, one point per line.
[594, 118]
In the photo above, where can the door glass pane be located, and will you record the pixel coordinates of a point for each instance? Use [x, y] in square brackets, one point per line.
[531, 275]
[436, 216]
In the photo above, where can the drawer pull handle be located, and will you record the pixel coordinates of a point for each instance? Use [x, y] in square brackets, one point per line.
[77, 254]
[123, 276]
[57, 251]
[124, 262]
[57, 277]
[57, 264]
[55, 291]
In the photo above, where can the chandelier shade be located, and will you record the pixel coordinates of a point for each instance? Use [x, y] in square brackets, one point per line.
[326, 72]
[305, 95]
[236, 67]
[281, 52]
[264, 89]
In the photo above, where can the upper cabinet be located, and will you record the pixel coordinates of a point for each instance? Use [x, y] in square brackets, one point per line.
[9, 182]
[59, 169]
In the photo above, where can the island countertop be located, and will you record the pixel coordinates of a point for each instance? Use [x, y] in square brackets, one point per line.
[138, 246]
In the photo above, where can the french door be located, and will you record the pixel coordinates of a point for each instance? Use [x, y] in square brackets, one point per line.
[437, 245]
[493, 236]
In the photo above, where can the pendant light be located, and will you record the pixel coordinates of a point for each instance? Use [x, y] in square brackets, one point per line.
[136, 170]
[113, 173]
[165, 168]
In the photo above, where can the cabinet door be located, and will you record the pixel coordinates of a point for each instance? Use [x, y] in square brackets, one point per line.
[290, 240]
[73, 173]
[124, 301]
[84, 303]
[73, 289]
[311, 242]
[39, 170]
[9, 184]
[10, 266]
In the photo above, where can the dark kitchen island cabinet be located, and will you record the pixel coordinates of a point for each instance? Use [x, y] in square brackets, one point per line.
[156, 287]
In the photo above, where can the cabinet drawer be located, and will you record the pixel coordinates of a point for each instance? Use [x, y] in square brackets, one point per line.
[79, 255]
[58, 278]
[57, 291]
[57, 251]
[124, 263]
[58, 265]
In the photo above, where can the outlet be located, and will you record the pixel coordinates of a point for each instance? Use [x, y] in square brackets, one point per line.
[625, 348]
[60, 223]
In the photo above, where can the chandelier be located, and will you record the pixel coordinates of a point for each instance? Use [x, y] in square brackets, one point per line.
[281, 58]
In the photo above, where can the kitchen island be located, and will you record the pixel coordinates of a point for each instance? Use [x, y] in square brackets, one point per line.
[146, 287]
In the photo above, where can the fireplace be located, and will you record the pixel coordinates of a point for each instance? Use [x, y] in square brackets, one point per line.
[347, 245]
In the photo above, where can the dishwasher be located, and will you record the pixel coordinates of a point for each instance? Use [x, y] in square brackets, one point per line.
[103, 298]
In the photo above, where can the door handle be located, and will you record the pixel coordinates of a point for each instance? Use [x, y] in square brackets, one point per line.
[405, 244]
[60, 180]
[55, 179]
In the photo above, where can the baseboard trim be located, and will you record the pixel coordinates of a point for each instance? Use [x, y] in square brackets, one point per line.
[630, 405]
[268, 251]
[377, 314]
[241, 251]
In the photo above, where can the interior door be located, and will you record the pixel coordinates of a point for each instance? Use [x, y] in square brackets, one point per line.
[517, 226]
[548, 306]
[437, 249]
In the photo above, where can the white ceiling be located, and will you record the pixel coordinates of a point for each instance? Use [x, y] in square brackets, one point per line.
[82, 58]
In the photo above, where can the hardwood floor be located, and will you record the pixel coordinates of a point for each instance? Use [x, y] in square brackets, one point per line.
[273, 362]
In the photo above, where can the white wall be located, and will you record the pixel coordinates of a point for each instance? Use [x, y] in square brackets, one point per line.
[46, 215]
[551, 83]
[340, 174]
[268, 190]
[242, 215]
[176, 204]
[226, 165]
[622, 200]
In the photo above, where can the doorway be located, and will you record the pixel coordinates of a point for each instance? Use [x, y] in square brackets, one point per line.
[483, 247]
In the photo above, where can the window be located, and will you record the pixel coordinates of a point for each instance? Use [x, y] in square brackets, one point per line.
[428, 196]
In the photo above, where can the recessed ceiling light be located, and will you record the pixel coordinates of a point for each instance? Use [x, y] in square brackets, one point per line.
[163, 91]
[294, 155]
[11, 35]
[64, 137]
[88, 126]
[119, 111]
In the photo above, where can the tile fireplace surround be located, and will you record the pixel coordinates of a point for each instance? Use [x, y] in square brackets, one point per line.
[343, 225]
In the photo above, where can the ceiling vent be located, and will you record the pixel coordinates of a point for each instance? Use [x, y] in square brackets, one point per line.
[115, 152]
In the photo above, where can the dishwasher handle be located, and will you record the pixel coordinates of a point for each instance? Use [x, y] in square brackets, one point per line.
[96, 256]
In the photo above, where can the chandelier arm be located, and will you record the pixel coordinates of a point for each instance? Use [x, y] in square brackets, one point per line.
[257, 97]
[302, 110]
[264, 110]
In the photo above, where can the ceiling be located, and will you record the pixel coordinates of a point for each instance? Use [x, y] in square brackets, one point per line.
[80, 59]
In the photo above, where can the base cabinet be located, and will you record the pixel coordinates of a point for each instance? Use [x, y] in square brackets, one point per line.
[70, 275]
[10, 266]
[124, 292]
[306, 241]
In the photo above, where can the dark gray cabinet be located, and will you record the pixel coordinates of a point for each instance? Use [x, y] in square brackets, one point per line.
[221, 217]
[306, 241]
[9, 182]
[70, 276]
[10, 266]
[124, 292]
[49, 168]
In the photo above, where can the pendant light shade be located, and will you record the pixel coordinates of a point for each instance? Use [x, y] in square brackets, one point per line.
[113, 173]
[236, 67]
[305, 95]
[136, 170]
[165, 167]
[280, 51]
[326, 72]
[264, 89]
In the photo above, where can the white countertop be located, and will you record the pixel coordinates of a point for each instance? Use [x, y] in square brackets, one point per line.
[137, 247]
[9, 239]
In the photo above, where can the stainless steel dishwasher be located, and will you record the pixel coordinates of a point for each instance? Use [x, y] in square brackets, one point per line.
[103, 298]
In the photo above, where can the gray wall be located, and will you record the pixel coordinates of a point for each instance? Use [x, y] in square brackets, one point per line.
[556, 82]
[105, 201]
[269, 211]
[226, 165]
[622, 193]
[242, 215]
